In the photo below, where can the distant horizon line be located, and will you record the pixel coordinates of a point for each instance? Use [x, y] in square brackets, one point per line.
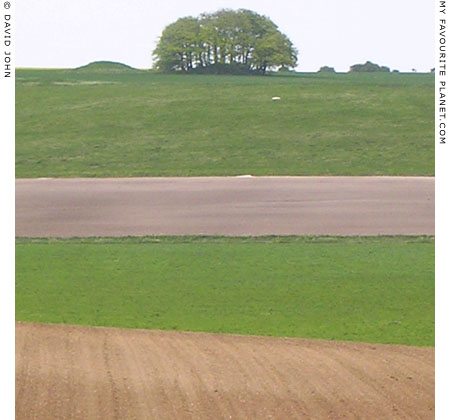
[152, 69]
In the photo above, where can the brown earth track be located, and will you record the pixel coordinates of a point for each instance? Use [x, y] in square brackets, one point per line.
[225, 206]
[70, 372]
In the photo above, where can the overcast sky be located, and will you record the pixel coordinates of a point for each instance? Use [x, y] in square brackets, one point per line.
[337, 33]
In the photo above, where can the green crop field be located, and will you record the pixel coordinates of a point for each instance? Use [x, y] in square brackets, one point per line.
[104, 121]
[378, 289]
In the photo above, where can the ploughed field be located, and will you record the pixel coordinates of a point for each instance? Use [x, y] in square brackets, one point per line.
[105, 373]
[110, 122]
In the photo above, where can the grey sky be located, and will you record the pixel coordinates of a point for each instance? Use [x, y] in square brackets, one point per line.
[63, 33]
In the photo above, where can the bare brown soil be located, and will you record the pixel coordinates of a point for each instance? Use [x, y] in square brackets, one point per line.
[225, 206]
[69, 372]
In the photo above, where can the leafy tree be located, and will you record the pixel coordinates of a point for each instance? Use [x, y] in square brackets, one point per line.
[179, 46]
[225, 41]
[273, 50]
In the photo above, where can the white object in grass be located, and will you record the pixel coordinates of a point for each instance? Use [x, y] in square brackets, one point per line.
[276, 98]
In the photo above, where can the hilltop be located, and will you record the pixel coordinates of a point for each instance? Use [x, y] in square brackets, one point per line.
[106, 66]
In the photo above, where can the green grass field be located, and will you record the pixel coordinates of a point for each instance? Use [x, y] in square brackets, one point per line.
[100, 122]
[378, 289]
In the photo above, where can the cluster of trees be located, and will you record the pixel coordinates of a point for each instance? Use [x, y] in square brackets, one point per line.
[359, 68]
[327, 69]
[226, 41]
[369, 67]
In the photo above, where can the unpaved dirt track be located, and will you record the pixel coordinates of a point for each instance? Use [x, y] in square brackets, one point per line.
[225, 206]
[68, 372]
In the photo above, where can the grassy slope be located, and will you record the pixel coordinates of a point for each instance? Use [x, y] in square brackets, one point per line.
[136, 123]
[360, 289]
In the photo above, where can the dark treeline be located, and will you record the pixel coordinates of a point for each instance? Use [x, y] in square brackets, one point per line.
[226, 41]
